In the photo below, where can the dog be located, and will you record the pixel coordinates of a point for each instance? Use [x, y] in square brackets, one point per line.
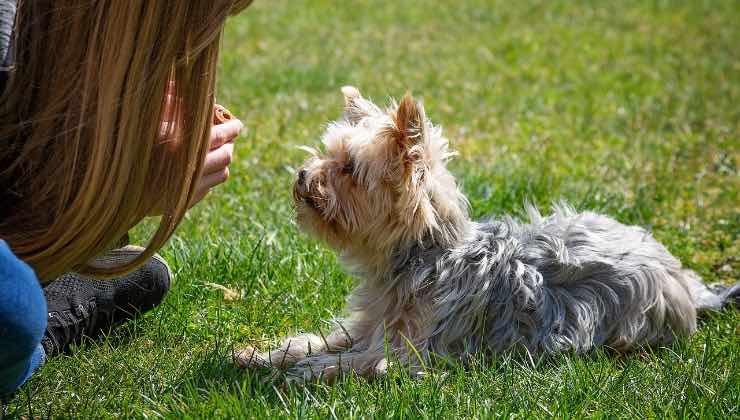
[435, 283]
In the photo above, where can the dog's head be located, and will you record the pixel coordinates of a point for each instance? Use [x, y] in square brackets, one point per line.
[380, 181]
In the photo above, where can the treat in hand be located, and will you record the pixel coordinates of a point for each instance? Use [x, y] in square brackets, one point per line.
[221, 114]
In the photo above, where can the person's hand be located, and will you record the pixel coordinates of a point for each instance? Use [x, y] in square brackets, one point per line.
[221, 147]
[218, 159]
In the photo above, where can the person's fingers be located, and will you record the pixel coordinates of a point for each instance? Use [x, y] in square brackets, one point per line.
[224, 133]
[211, 180]
[218, 159]
[206, 182]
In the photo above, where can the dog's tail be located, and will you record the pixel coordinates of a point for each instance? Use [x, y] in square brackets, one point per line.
[712, 297]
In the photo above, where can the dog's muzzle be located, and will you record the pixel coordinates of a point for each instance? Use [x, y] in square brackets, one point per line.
[301, 191]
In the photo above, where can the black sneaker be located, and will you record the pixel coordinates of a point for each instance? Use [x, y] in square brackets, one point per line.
[82, 306]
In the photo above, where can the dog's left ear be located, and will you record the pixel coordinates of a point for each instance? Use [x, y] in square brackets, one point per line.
[410, 133]
[410, 128]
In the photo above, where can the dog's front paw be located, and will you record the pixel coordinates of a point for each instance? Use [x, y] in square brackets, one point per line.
[330, 368]
[249, 358]
[312, 372]
[381, 368]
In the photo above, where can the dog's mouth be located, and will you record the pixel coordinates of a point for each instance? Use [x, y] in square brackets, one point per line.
[309, 191]
[309, 201]
[303, 195]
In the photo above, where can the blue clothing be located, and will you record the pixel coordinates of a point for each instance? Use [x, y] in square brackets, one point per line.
[22, 321]
[22, 304]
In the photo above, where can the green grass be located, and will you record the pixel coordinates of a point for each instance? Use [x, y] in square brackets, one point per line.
[630, 108]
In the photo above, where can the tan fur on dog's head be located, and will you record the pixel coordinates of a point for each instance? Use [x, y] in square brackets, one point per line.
[381, 182]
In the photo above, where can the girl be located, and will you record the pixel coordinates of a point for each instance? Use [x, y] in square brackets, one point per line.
[105, 118]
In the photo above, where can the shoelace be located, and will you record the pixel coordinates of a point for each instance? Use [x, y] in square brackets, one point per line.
[70, 325]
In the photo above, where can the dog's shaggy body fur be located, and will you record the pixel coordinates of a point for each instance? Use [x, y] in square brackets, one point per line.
[435, 282]
[567, 282]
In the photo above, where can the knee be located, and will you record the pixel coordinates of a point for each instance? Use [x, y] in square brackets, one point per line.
[22, 308]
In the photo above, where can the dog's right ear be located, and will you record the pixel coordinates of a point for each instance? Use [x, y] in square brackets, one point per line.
[355, 106]
[410, 123]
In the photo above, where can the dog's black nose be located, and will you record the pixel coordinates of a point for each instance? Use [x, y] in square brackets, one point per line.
[301, 176]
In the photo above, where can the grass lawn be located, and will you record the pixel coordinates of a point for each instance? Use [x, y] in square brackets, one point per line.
[629, 108]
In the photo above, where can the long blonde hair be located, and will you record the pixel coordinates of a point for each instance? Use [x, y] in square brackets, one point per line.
[80, 116]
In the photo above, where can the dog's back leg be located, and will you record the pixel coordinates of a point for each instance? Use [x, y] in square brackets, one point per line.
[712, 297]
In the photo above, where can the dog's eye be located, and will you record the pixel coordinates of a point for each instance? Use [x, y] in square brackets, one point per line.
[349, 167]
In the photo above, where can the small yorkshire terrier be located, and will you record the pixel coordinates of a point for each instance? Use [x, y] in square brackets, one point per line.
[434, 282]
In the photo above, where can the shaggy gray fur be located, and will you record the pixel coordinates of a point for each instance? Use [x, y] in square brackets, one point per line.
[571, 281]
